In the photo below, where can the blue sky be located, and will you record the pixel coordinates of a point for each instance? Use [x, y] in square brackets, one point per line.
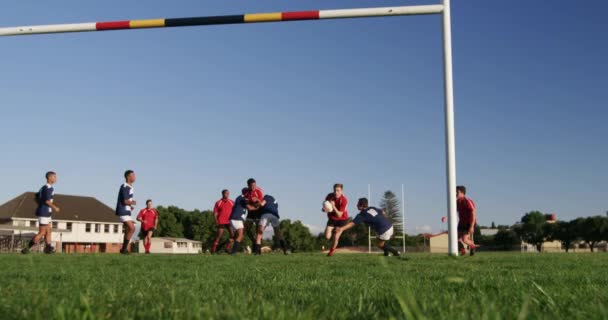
[302, 105]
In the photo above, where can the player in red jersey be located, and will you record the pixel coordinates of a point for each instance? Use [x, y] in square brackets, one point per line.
[254, 197]
[338, 217]
[221, 212]
[467, 218]
[149, 222]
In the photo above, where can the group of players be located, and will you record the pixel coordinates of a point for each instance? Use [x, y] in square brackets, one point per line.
[251, 210]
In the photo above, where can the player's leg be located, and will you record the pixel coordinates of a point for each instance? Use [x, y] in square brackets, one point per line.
[48, 248]
[129, 228]
[41, 233]
[276, 226]
[148, 240]
[257, 248]
[238, 226]
[231, 231]
[466, 239]
[329, 231]
[462, 229]
[220, 233]
[384, 245]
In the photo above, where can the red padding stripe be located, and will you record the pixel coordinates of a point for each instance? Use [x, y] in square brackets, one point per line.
[300, 15]
[112, 25]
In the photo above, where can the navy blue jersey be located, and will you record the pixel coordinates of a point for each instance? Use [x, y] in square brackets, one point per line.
[374, 218]
[271, 206]
[45, 194]
[125, 193]
[239, 210]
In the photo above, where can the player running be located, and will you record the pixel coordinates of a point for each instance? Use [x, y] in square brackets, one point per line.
[45, 209]
[237, 218]
[222, 212]
[149, 223]
[467, 218]
[124, 207]
[270, 215]
[374, 218]
[338, 217]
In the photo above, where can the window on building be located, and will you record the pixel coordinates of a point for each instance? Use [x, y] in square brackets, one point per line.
[87, 227]
[97, 227]
[30, 224]
[106, 228]
[182, 244]
[168, 245]
[115, 228]
[54, 225]
[68, 226]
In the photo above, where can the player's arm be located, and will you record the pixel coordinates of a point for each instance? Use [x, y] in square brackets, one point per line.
[156, 222]
[473, 220]
[140, 216]
[49, 202]
[216, 212]
[340, 211]
[347, 226]
[125, 195]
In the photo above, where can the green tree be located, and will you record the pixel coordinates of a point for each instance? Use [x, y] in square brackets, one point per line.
[390, 204]
[168, 225]
[592, 230]
[298, 236]
[563, 231]
[532, 229]
[505, 239]
[493, 225]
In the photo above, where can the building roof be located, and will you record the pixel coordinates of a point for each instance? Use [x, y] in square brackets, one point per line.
[73, 208]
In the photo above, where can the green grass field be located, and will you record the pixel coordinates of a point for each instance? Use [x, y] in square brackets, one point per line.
[302, 286]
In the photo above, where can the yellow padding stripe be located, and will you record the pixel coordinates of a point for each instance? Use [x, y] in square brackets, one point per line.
[263, 17]
[150, 23]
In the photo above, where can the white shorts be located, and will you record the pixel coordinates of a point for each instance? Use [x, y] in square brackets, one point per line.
[269, 218]
[44, 221]
[124, 219]
[237, 224]
[387, 235]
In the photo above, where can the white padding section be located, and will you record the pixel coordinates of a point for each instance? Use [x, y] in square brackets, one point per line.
[53, 28]
[380, 12]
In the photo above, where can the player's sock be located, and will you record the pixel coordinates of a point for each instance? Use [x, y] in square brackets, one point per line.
[31, 244]
[385, 250]
[235, 247]
[257, 249]
[283, 245]
[125, 244]
[388, 248]
[229, 246]
[214, 248]
[147, 246]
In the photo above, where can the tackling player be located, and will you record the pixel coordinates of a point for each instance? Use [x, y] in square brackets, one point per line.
[374, 218]
[467, 218]
[270, 216]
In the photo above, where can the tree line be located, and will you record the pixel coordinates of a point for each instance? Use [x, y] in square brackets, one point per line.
[535, 228]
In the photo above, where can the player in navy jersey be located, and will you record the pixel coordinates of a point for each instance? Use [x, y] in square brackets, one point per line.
[124, 208]
[237, 220]
[44, 210]
[374, 218]
[269, 216]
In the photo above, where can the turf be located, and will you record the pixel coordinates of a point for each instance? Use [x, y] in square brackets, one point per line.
[304, 286]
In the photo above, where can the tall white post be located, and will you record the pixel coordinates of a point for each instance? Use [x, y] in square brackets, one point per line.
[450, 147]
[403, 215]
[369, 229]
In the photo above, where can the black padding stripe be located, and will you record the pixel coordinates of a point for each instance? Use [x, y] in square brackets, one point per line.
[201, 21]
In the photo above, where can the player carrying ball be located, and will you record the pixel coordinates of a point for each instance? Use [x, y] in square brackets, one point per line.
[338, 216]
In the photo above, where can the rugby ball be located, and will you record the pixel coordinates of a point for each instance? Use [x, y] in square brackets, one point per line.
[328, 207]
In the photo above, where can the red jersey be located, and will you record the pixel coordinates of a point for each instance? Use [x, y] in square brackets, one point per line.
[465, 207]
[148, 217]
[256, 193]
[341, 204]
[222, 210]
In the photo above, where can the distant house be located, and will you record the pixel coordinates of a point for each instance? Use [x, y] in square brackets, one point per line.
[438, 243]
[84, 224]
[173, 246]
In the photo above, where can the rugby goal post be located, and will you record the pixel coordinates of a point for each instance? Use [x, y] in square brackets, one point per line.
[443, 9]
